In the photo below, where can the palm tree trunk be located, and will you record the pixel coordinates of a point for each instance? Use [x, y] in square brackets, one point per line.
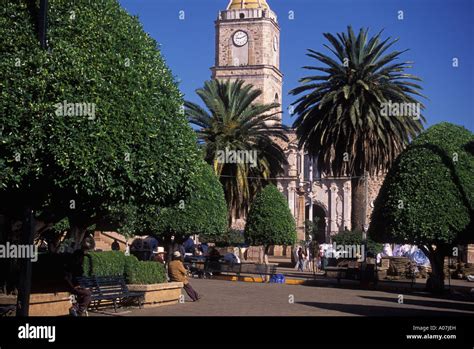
[358, 203]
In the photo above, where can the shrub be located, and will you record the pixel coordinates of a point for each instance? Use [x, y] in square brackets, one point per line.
[145, 273]
[116, 263]
[109, 263]
[270, 221]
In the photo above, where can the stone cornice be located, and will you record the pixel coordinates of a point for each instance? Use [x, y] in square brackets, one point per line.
[248, 67]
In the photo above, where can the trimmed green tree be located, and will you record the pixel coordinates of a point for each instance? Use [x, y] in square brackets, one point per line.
[92, 122]
[231, 238]
[204, 211]
[427, 197]
[270, 221]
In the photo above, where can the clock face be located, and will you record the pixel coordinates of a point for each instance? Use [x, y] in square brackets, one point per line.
[275, 43]
[240, 38]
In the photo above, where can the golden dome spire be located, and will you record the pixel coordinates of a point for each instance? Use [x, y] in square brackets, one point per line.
[240, 4]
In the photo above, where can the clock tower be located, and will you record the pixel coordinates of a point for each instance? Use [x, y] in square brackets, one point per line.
[248, 48]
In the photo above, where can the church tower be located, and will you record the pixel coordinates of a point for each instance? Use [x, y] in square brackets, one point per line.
[248, 48]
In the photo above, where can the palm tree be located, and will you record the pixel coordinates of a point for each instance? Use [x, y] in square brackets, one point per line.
[234, 121]
[342, 118]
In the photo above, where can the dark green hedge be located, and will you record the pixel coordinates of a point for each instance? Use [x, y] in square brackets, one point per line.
[110, 263]
[114, 263]
[145, 273]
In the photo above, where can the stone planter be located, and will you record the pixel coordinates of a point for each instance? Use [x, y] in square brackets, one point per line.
[44, 304]
[159, 294]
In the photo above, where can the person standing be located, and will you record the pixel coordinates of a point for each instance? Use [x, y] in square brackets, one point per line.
[300, 259]
[178, 273]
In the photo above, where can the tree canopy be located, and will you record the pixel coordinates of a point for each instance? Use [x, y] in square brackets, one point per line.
[133, 145]
[427, 197]
[203, 212]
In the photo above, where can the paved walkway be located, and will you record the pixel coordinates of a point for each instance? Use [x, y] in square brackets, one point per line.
[226, 298]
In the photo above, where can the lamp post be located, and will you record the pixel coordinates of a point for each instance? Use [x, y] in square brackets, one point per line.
[364, 274]
[364, 239]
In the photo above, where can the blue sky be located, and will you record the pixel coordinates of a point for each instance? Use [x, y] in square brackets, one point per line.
[434, 31]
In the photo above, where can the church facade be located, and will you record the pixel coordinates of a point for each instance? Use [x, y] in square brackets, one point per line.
[248, 48]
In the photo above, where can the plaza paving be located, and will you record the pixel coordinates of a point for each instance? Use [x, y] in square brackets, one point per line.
[226, 298]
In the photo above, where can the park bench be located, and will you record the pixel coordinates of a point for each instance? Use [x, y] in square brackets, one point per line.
[7, 310]
[215, 267]
[109, 288]
[338, 272]
[350, 272]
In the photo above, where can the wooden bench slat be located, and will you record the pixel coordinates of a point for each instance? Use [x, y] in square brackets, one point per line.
[111, 288]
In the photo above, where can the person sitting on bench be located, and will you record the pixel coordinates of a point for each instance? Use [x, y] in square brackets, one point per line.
[178, 273]
[73, 270]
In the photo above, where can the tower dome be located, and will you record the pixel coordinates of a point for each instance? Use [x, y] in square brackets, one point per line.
[242, 4]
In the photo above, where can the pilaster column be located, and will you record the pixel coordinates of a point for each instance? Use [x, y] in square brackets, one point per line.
[300, 214]
[310, 189]
[327, 233]
[301, 169]
[291, 196]
[332, 209]
[347, 206]
[292, 163]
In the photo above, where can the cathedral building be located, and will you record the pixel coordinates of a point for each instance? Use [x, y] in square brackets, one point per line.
[248, 48]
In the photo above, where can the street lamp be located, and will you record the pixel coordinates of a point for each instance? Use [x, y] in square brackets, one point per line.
[364, 239]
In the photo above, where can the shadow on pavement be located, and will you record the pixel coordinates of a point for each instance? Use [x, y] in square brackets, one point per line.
[371, 310]
[429, 303]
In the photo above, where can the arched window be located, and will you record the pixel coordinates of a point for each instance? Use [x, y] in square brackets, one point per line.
[242, 15]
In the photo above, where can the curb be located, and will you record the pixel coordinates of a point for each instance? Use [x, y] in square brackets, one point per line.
[255, 279]
[380, 287]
